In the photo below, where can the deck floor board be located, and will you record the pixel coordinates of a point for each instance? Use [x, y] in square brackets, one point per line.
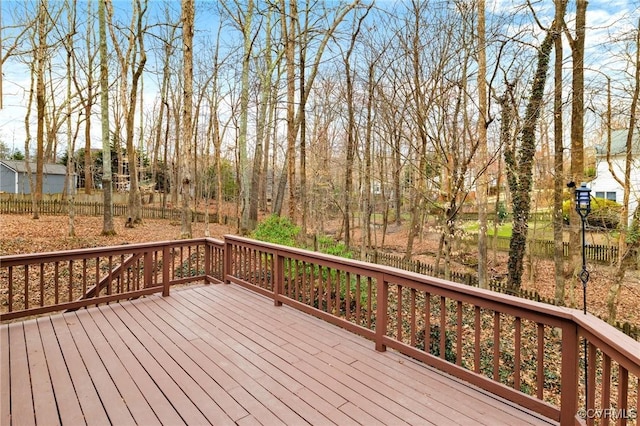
[221, 354]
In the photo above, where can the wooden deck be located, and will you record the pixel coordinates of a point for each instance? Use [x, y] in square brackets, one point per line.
[220, 354]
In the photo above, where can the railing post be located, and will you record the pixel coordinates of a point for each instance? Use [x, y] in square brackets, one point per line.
[148, 268]
[382, 296]
[569, 380]
[166, 264]
[278, 277]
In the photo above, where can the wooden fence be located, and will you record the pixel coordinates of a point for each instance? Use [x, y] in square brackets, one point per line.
[500, 286]
[600, 253]
[57, 207]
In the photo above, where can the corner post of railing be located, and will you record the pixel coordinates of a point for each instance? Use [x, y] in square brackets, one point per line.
[207, 261]
[226, 266]
[569, 380]
[278, 277]
[382, 296]
[166, 264]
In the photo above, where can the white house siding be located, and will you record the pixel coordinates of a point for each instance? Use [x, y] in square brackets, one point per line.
[604, 181]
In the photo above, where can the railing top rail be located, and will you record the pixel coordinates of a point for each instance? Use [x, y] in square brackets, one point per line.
[611, 341]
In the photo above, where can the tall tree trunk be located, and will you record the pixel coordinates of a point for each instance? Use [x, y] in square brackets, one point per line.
[558, 164]
[135, 203]
[187, 100]
[40, 105]
[520, 169]
[367, 208]
[107, 223]
[245, 189]
[71, 184]
[483, 182]
[577, 137]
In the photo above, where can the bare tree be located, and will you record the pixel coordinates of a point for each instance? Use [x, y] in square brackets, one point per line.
[629, 237]
[188, 16]
[558, 162]
[483, 121]
[519, 161]
[577, 133]
[132, 59]
[107, 223]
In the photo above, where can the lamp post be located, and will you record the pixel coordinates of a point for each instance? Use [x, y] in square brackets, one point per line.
[583, 207]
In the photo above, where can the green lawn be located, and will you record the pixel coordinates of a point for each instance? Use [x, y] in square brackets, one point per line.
[542, 229]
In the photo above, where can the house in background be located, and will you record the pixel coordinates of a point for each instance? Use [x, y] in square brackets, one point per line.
[15, 180]
[604, 185]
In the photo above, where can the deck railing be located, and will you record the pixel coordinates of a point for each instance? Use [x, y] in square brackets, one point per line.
[33, 284]
[528, 352]
[524, 351]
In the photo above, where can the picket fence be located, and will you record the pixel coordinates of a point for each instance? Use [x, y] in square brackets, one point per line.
[57, 207]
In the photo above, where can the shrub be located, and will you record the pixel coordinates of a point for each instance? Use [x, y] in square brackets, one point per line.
[277, 230]
[604, 213]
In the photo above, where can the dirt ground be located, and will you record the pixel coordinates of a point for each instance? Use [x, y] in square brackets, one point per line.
[21, 234]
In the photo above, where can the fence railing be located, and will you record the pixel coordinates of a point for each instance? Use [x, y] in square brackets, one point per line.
[57, 207]
[600, 253]
[524, 351]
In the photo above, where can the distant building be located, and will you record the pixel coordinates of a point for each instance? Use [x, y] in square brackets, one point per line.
[604, 185]
[14, 178]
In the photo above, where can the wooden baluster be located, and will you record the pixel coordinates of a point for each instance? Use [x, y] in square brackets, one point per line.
[399, 313]
[369, 301]
[496, 346]
[348, 298]
[443, 327]
[358, 292]
[623, 395]
[518, 353]
[412, 311]
[427, 321]
[56, 284]
[70, 280]
[10, 289]
[591, 382]
[540, 362]
[476, 339]
[605, 402]
[459, 334]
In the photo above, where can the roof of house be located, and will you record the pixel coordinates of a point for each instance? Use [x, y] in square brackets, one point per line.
[49, 169]
[619, 143]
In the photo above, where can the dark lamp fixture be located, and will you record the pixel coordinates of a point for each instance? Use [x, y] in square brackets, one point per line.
[583, 200]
